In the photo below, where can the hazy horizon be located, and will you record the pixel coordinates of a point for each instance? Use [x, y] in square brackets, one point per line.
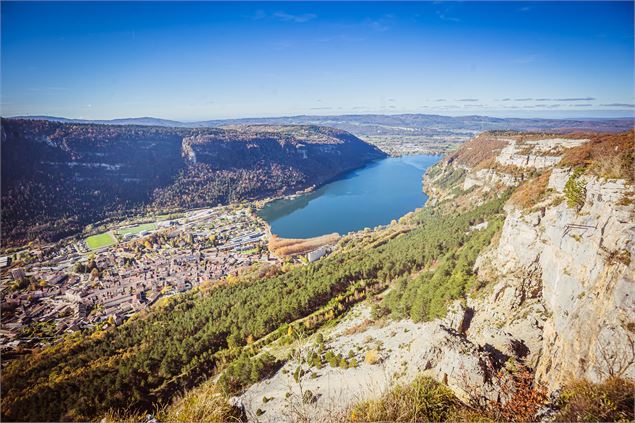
[535, 114]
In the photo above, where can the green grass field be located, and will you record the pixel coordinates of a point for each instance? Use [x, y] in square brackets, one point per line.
[102, 240]
[170, 216]
[137, 229]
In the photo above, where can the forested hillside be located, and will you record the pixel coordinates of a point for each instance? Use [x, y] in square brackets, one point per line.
[59, 177]
[193, 336]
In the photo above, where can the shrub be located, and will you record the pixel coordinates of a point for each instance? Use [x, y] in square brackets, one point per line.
[298, 373]
[520, 401]
[574, 189]
[422, 400]
[308, 397]
[524, 398]
[611, 400]
[372, 357]
[319, 339]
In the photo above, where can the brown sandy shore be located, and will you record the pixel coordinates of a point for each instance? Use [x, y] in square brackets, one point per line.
[285, 247]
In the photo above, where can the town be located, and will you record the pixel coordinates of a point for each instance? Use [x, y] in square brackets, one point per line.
[101, 281]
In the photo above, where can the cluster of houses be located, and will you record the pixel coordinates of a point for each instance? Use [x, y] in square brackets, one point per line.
[69, 292]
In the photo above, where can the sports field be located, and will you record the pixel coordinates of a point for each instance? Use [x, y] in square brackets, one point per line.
[100, 241]
[136, 229]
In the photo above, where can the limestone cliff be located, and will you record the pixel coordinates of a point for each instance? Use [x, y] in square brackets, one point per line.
[560, 279]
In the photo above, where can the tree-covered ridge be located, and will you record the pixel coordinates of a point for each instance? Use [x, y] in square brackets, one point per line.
[180, 344]
[59, 177]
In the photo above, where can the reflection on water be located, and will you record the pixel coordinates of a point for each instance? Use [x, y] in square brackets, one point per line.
[373, 195]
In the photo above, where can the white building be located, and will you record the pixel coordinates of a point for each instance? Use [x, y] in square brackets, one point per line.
[317, 254]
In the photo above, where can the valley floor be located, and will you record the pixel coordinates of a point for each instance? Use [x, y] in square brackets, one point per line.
[76, 287]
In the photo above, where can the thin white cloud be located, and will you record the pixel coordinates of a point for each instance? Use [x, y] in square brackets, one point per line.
[443, 15]
[530, 58]
[340, 38]
[283, 16]
[288, 17]
[377, 25]
[281, 45]
[574, 99]
[618, 105]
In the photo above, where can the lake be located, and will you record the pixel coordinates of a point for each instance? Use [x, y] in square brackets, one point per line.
[373, 195]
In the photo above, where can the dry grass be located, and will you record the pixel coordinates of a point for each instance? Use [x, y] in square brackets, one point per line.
[424, 400]
[583, 401]
[531, 192]
[285, 247]
[606, 155]
[484, 147]
[359, 328]
[123, 417]
[202, 404]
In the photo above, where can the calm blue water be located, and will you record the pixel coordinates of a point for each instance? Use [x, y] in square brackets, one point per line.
[373, 195]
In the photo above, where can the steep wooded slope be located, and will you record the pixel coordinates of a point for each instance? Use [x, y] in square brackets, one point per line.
[58, 177]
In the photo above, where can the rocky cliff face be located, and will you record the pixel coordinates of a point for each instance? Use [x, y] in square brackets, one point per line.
[560, 279]
[578, 264]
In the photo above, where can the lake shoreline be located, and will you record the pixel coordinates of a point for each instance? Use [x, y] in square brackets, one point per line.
[369, 196]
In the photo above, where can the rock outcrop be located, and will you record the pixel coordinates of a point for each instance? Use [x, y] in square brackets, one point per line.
[404, 350]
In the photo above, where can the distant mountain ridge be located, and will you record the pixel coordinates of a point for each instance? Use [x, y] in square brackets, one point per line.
[378, 124]
[145, 120]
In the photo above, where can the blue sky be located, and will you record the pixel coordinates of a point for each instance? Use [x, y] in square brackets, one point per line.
[200, 60]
